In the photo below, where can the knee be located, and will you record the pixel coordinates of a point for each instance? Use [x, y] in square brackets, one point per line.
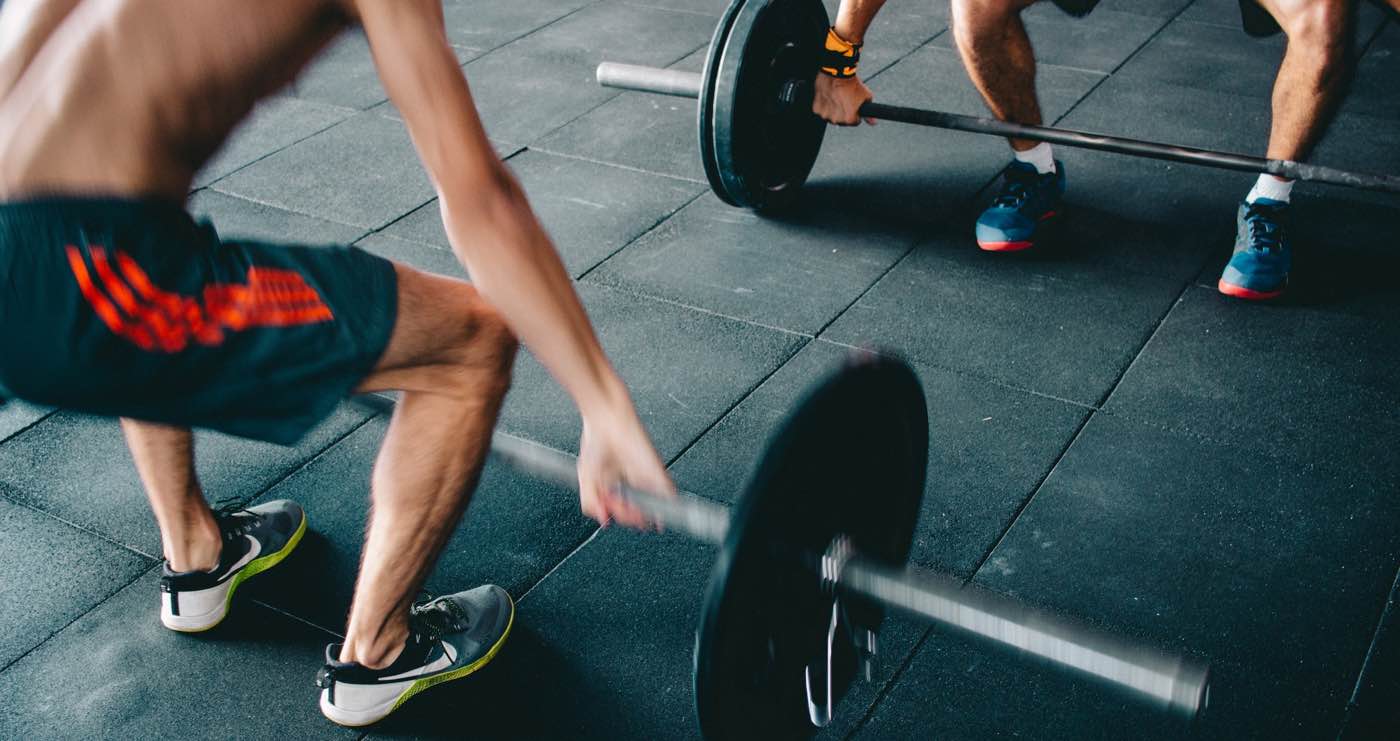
[1319, 27]
[480, 361]
[491, 346]
[979, 19]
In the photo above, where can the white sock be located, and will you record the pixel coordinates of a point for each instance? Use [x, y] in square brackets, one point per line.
[1268, 186]
[1041, 155]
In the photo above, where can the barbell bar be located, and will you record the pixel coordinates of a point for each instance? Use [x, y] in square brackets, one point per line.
[798, 93]
[1176, 684]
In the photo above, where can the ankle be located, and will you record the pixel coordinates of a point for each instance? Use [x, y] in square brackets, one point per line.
[195, 545]
[375, 652]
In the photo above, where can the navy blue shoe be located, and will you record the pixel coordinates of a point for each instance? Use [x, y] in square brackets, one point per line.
[1026, 201]
[1259, 268]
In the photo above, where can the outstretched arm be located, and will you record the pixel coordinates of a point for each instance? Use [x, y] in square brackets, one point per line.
[493, 231]
[838, 99]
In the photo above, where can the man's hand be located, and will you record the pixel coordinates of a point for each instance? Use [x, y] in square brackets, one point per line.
[615, 449]
[838, 100]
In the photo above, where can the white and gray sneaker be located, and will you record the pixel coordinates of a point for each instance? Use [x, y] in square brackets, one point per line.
[255, 540]
[449, 638]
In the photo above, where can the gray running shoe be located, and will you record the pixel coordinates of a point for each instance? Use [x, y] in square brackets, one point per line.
[449, 638]
[254, 540]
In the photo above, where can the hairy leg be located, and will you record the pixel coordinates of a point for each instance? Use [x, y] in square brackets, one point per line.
[998, 56]
[164, 457]
[1311, 78]
[451, 356]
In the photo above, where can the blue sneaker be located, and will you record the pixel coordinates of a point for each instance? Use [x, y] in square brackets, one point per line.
[1259, 268]
[1026, 201]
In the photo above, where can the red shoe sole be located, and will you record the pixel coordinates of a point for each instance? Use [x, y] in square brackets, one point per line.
[1249, 294]
[1004, 246]
[1014, 246]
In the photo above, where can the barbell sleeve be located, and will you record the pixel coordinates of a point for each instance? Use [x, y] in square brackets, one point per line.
[1169, 681]
[690, 84]
[1180, 686]
[649, 79]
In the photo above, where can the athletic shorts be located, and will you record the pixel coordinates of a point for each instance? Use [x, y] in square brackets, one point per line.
[130, 308]
[1256, 20]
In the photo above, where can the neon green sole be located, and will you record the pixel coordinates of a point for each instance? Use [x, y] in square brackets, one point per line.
[255, 567]
[433, 681]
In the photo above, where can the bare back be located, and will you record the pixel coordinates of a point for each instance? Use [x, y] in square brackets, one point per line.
[131, 97]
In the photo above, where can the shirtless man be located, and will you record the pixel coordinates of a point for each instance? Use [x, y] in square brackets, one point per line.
[997, 53]
[115, 302]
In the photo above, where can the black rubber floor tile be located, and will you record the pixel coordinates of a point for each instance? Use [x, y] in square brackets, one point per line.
[344, 73]
[1372, 89]
[1208, 57]
[1363, 143]
[797, 271]
[1099, 42]
[237, 218]
[276, 123]
[989, 447]
[78, 468]
[685, 369]
[532, 86]
[1219, 549]
[654, 133]
[958, 688]
[363, 171]
[488, 24]
[614, 629]
[590, 210]
[515, 530]
[53, 573]
[1155, 8]
[117, 673]
[416, 254]
[1369, 15]
[1176, 114]
[16, 415]
[1060, 326]
[903, 172]
[1372, 711]
[1310, 385]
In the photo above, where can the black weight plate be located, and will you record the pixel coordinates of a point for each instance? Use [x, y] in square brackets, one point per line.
[757, 151]
[849, 461]
[705, 108]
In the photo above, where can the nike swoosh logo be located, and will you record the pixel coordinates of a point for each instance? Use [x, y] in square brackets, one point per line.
[254, 548]
[442, 662]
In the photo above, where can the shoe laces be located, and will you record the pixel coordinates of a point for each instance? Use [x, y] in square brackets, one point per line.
[1265, 230]
[433, 618]
[234, 518]
[1016, 187]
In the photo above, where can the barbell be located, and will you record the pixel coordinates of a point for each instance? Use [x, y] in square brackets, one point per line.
[759, 137]
[816, 548]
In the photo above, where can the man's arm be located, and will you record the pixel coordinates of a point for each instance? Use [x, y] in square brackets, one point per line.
[495, 234]
[838, 100]
[855, 17]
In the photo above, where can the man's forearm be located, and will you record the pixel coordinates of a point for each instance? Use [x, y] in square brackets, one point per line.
[515, 267]
[854, 18]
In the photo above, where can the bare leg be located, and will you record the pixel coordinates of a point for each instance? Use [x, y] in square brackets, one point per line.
[451, 355]
[1309, 82]
[165, 459]
[999, 59]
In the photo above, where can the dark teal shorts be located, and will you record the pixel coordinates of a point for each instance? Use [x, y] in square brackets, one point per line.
[130, 308]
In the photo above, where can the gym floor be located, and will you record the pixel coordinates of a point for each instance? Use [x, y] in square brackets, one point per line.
[1111, 438]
